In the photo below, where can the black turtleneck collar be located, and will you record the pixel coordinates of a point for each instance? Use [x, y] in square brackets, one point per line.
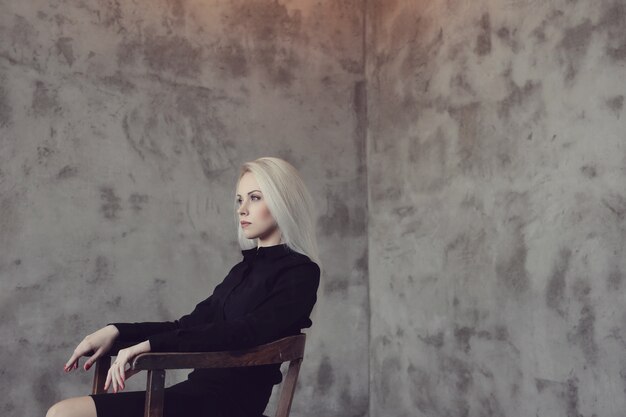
[270, 252]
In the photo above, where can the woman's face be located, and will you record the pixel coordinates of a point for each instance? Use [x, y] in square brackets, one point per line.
[252, 208]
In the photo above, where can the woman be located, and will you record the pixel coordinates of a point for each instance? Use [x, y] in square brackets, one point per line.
[268, 295]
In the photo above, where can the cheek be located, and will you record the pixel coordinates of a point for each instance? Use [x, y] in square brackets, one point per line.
[265, 214]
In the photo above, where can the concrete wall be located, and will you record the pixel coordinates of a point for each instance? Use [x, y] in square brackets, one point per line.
[478, 262]
[122, 127]
[497, 180]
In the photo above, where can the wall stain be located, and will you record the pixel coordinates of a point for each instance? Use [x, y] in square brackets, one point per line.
[176, 16]
[118, 82]
[64, 46]
[483, 40]
[110, 202]
[616, 104]
[44, 100]
[274, 33]
[555, 290]
[572, 397]
[511, 262]
[423, 391]
[173, 54]
[325, 375]
[616, 203]
[6, 111]
[232, 58]
[102, 272]
[340, 219]
[359, 105]
[390, 369]
[463, 336]
[574, 45]
[615, 279]
[583, 334]
[612, 22]
[589, 171]
[553, 17]
[109, 13]
[209, 136]
[66, 172]
[436, 340]
[509, 37]
[137, 201]
[468, 119]
[517, 96]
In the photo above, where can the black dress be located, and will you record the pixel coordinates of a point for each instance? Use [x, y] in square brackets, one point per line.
[268, 295]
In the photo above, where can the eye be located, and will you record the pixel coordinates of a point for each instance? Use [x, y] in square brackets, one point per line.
[256, 196]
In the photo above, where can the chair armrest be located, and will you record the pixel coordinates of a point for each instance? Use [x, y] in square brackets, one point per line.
[278, 351]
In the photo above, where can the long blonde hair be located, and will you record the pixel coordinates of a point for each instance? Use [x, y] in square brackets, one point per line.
[289, 201]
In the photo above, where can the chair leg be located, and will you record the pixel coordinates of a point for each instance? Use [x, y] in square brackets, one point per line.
[101, 370]
[289, 387]
[154, 393]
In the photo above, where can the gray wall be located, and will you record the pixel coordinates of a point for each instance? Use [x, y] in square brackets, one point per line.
[497, 180]
[122, 127]
[468, 159]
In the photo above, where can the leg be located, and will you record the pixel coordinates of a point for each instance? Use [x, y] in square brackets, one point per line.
[73, 407]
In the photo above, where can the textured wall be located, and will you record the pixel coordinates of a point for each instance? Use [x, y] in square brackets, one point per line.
[496, 165]
[122, 126]
[497, 175]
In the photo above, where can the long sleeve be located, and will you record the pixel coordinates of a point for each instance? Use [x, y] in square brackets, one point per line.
[140, 331]
[291, 300]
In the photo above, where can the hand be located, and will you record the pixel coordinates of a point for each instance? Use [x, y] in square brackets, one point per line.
[118, 373]
[98, 342]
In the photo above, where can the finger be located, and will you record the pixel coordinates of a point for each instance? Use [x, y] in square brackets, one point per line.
[92, 359]
[108, 380]
[118, 378]
[72, 363]
[69, 365]
[113, 381]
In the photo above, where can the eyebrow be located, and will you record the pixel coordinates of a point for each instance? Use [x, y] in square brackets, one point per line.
[251, 192]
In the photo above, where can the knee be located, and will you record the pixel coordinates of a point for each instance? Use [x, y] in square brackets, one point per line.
[60, 409]
[55, 410]
[73, 407]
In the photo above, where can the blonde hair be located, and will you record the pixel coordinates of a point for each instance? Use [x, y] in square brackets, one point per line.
[290, 203]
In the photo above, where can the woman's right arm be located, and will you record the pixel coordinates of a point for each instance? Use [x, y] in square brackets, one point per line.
[101, 340]
[140, 331]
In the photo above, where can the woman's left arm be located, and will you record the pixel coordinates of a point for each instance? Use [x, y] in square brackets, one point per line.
[292, 298]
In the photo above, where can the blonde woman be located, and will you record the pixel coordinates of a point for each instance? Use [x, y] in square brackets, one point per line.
[268, 295]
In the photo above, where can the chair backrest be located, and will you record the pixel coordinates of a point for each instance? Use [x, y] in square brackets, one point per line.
[288, 349]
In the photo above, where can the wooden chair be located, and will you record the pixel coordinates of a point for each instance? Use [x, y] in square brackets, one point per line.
[288, 349]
